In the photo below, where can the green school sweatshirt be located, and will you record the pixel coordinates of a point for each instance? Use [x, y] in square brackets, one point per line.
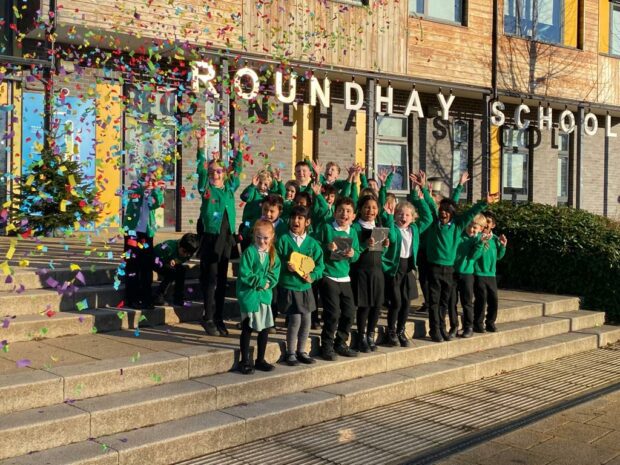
[337, 268]
[492, 251]
[391, 257]
[443, 240]
[253, 275]
[467, 253]
[309, 247]
[216, 201]
[134, 207]
[169, 250]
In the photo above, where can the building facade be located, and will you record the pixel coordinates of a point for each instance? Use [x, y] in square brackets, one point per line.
[525, 95]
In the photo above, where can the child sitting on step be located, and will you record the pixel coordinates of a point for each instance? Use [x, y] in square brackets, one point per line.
[169, 259]
[295, 296]
[259, 270]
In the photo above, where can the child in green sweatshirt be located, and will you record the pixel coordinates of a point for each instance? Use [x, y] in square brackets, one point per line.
[295, 296]
[485, 287]
[340, 249]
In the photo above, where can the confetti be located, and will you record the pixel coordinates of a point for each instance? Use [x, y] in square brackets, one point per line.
[82, 305]
[23, 363]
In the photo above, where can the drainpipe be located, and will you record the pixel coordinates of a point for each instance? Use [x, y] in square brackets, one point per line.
[579, 155]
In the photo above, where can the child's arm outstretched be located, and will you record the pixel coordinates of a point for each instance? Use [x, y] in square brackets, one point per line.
[237, 167]
[456, 193]
[386, 181]
[423, 206]
[201, 165]
[501, 251]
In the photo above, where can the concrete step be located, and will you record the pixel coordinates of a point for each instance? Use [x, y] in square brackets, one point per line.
[248, 420]
[34, 327]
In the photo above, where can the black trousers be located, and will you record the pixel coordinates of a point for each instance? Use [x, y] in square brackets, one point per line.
[316, 286]
[485, 291]
[138, 269]
[338, 311]
[440, 288]
[423, 277]
[367, 318]
[168, 275]
[213, 278]
[463, 291]
[402, 288]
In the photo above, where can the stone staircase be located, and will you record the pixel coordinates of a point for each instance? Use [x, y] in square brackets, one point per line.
[104, 385]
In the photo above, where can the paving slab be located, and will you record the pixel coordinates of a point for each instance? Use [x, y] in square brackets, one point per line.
[572, 451]
[28, 389]
[97, 346]
[42, 355]
[82, 453]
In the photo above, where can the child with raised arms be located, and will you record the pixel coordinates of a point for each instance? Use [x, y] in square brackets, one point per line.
[367, 277]
[400, 259]
[295, 296]
[259, 271]
[467, 253]
[485, 286]
[340, 249]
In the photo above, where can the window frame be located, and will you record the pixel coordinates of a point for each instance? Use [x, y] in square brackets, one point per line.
[401, 141]
[510, 192]
[517, 32]
[464, 154]
[563, 155]
[613, 6]
[464, 9]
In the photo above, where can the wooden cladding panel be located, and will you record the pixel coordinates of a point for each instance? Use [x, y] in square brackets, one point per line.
[211, 22]
[329, 34]
[443, 51]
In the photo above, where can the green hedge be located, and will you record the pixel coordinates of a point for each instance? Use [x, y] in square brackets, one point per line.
[561, 250]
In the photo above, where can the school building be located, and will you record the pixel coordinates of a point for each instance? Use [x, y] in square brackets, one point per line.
[524, 94]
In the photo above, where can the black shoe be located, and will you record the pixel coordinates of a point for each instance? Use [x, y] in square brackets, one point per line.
[445, 336]
[391, 339]
[132, 304]
[147, 305]
[467, 332]
[478, 329]
[370, 339]
[178, 302]
[452, 333]
[327, 352]
[490, 327]
[246, 368]
[403, 340]
[436, 338]
[209, 327]
[221, 327]
[303, 357]
[362, 343]
[262, 365]
[291, 360]
[159, 300]
[346, 351]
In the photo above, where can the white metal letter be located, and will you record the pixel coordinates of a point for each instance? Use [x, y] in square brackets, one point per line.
[290, 98]
[590, 124]
[498, 118]
[445, 106]
[388, 100]
[414, 104]
[545, 120]
[203, 72]
[570, 127]
[608, 132]
[322, 93]
[353, 86]
[520, 123]
[249, 72]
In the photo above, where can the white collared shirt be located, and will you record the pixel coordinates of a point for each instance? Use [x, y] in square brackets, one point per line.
[339, 228]
[298, 239]
[367, 224]
[405, 244]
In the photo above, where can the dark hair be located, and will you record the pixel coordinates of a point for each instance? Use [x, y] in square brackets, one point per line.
[302, 163]
[273, 200]
[329, 189]
[489, 215]
[344, 201]
[367, 198]
[294, 183]
[190, 243]
[299, 210]
[448, 205]
[305, 195]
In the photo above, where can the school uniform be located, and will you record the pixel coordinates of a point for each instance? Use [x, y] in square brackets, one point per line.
[295, 296]
[467, 253]
[165, 253]
[485, 286]
[441, 246]
[399, 264]
[217, 212]
[140, 226]
[336, 292]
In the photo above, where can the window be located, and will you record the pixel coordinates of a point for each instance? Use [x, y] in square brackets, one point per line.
[392, 148]
[534, 19]
[212, 141]
[443, 10]
[563, 152]
[515, 159]
[460, 152]
[614, 33]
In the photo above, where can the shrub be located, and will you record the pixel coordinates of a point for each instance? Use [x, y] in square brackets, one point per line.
[561, 250]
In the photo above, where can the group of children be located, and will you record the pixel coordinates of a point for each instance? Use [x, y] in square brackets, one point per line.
[319, 236]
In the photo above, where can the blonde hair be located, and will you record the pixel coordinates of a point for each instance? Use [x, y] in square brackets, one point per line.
[367, 191]
[265, 175]
[405, 204]
[267, 226]
[480, 220]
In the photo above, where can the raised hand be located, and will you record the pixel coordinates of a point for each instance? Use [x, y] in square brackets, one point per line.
[316, 188]
[492, 198]
[503, 240]
[318, 168]
[464, 178]
[255, 180]
[277, 174]
[389, 208]
[383, 174]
